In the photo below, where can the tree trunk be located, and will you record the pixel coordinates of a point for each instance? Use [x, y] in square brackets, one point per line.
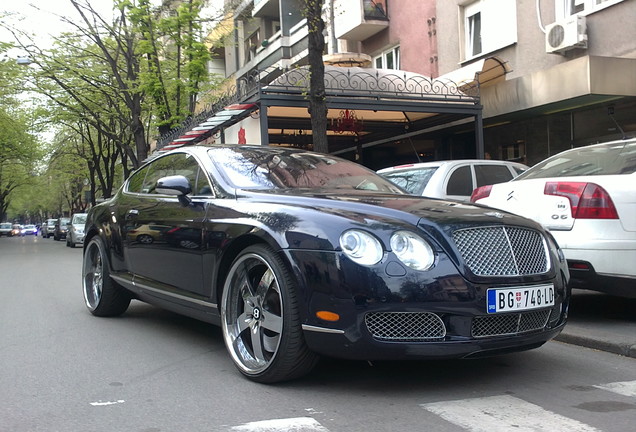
[317, 96]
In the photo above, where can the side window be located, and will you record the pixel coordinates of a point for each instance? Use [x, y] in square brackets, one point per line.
[491, 174]
[202, 186]
[460, 182]
[174, 164]
[137, 180]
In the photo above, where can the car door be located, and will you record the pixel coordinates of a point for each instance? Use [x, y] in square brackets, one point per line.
[162, 235]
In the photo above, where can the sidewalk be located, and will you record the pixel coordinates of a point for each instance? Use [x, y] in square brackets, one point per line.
[601, 322]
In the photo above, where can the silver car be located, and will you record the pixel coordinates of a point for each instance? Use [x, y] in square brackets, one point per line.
[75, 234]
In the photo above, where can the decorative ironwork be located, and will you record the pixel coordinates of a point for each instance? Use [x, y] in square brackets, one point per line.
[359, 83]
[373, 83]
[347, 122]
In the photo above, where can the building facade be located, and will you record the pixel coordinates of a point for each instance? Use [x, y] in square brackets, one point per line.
[565, 74]
[546, 75]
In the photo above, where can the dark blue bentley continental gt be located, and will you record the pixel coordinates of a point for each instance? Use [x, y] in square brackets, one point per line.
[298, 254]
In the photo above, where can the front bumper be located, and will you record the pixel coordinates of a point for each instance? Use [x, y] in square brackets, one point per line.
[446, 314]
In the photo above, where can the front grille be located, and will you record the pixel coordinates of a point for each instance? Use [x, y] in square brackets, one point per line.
[509, 324]
[502, 250]
[405, 326]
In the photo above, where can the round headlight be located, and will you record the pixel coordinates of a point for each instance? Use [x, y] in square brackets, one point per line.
[361, 247]
[412, 250]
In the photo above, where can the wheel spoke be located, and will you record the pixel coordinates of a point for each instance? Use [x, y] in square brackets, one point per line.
[257, 344]
[243, 322]
[272, 322]
[246, 285]
[265, 284]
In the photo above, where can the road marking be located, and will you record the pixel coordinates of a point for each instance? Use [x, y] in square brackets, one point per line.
[100, 403]
[625, 388]
[503, 414]
[298, 424]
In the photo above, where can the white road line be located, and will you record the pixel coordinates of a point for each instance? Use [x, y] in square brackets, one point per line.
[100, 403]
[298, 424]
[504, 414]
[625, 388]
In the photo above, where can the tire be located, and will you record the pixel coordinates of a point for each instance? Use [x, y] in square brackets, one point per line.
[145, 239]
[260, 319]
[102, 295]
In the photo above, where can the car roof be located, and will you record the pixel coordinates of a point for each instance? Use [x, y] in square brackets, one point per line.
[449, 163]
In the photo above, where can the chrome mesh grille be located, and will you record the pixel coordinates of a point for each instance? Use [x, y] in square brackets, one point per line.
[502, 250]
[509, 324]
[405, 326]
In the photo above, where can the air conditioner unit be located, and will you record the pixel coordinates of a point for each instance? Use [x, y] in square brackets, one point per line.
[566, 34]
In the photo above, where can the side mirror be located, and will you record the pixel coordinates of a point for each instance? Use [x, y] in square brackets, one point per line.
[176, 185]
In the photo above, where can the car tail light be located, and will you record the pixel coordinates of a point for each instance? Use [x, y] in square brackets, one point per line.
[480, 192]
[587, 200]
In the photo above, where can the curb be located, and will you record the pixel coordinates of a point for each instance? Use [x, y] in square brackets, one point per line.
[624, 349]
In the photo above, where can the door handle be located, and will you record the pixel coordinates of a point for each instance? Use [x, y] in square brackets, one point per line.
[132, 213]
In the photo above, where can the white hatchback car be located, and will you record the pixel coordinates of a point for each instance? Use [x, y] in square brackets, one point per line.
[587, 198]
[451, 179]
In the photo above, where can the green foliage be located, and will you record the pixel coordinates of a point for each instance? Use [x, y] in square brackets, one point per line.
[19, 150]
[103, 90]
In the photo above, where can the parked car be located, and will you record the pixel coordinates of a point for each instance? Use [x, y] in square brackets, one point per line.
[6, 229]
[587, 198]
[451, 179]
[29, 230]
[48, 228]
[61, 228]
[298, 254]
[75, 233]
[146, 233]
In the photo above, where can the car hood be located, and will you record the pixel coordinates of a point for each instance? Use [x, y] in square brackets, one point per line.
[416, 210]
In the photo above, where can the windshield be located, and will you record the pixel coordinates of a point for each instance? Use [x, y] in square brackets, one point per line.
[617, 158]
[267, 168]
[79, 219]
[413, 181]
[5, 226]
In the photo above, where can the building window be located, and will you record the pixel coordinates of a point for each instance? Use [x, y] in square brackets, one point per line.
[566, 8]
[474, 34]
[251, 45]
[488, 25]
[389, 59]
[375, 9]
[515, 152]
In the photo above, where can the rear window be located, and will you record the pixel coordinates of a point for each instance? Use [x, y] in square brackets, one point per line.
[491, 174]
[413, 181]
[618, 158]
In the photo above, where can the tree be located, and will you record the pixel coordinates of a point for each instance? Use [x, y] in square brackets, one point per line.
[317, 94]
[18, 146]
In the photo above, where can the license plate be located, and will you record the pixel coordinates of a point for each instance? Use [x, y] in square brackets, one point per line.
[519, 298]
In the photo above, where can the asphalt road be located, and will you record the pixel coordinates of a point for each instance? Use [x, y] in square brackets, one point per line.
[153, 371]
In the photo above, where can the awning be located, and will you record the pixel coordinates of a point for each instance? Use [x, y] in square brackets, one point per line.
[487, 71]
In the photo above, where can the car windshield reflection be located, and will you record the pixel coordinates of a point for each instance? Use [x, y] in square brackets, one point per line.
[247, 168]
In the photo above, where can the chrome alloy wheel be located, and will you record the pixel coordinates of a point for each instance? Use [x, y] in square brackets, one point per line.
[252, 311]
[93, 280]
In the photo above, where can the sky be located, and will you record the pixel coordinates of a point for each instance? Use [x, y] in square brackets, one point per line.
[43, 17]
